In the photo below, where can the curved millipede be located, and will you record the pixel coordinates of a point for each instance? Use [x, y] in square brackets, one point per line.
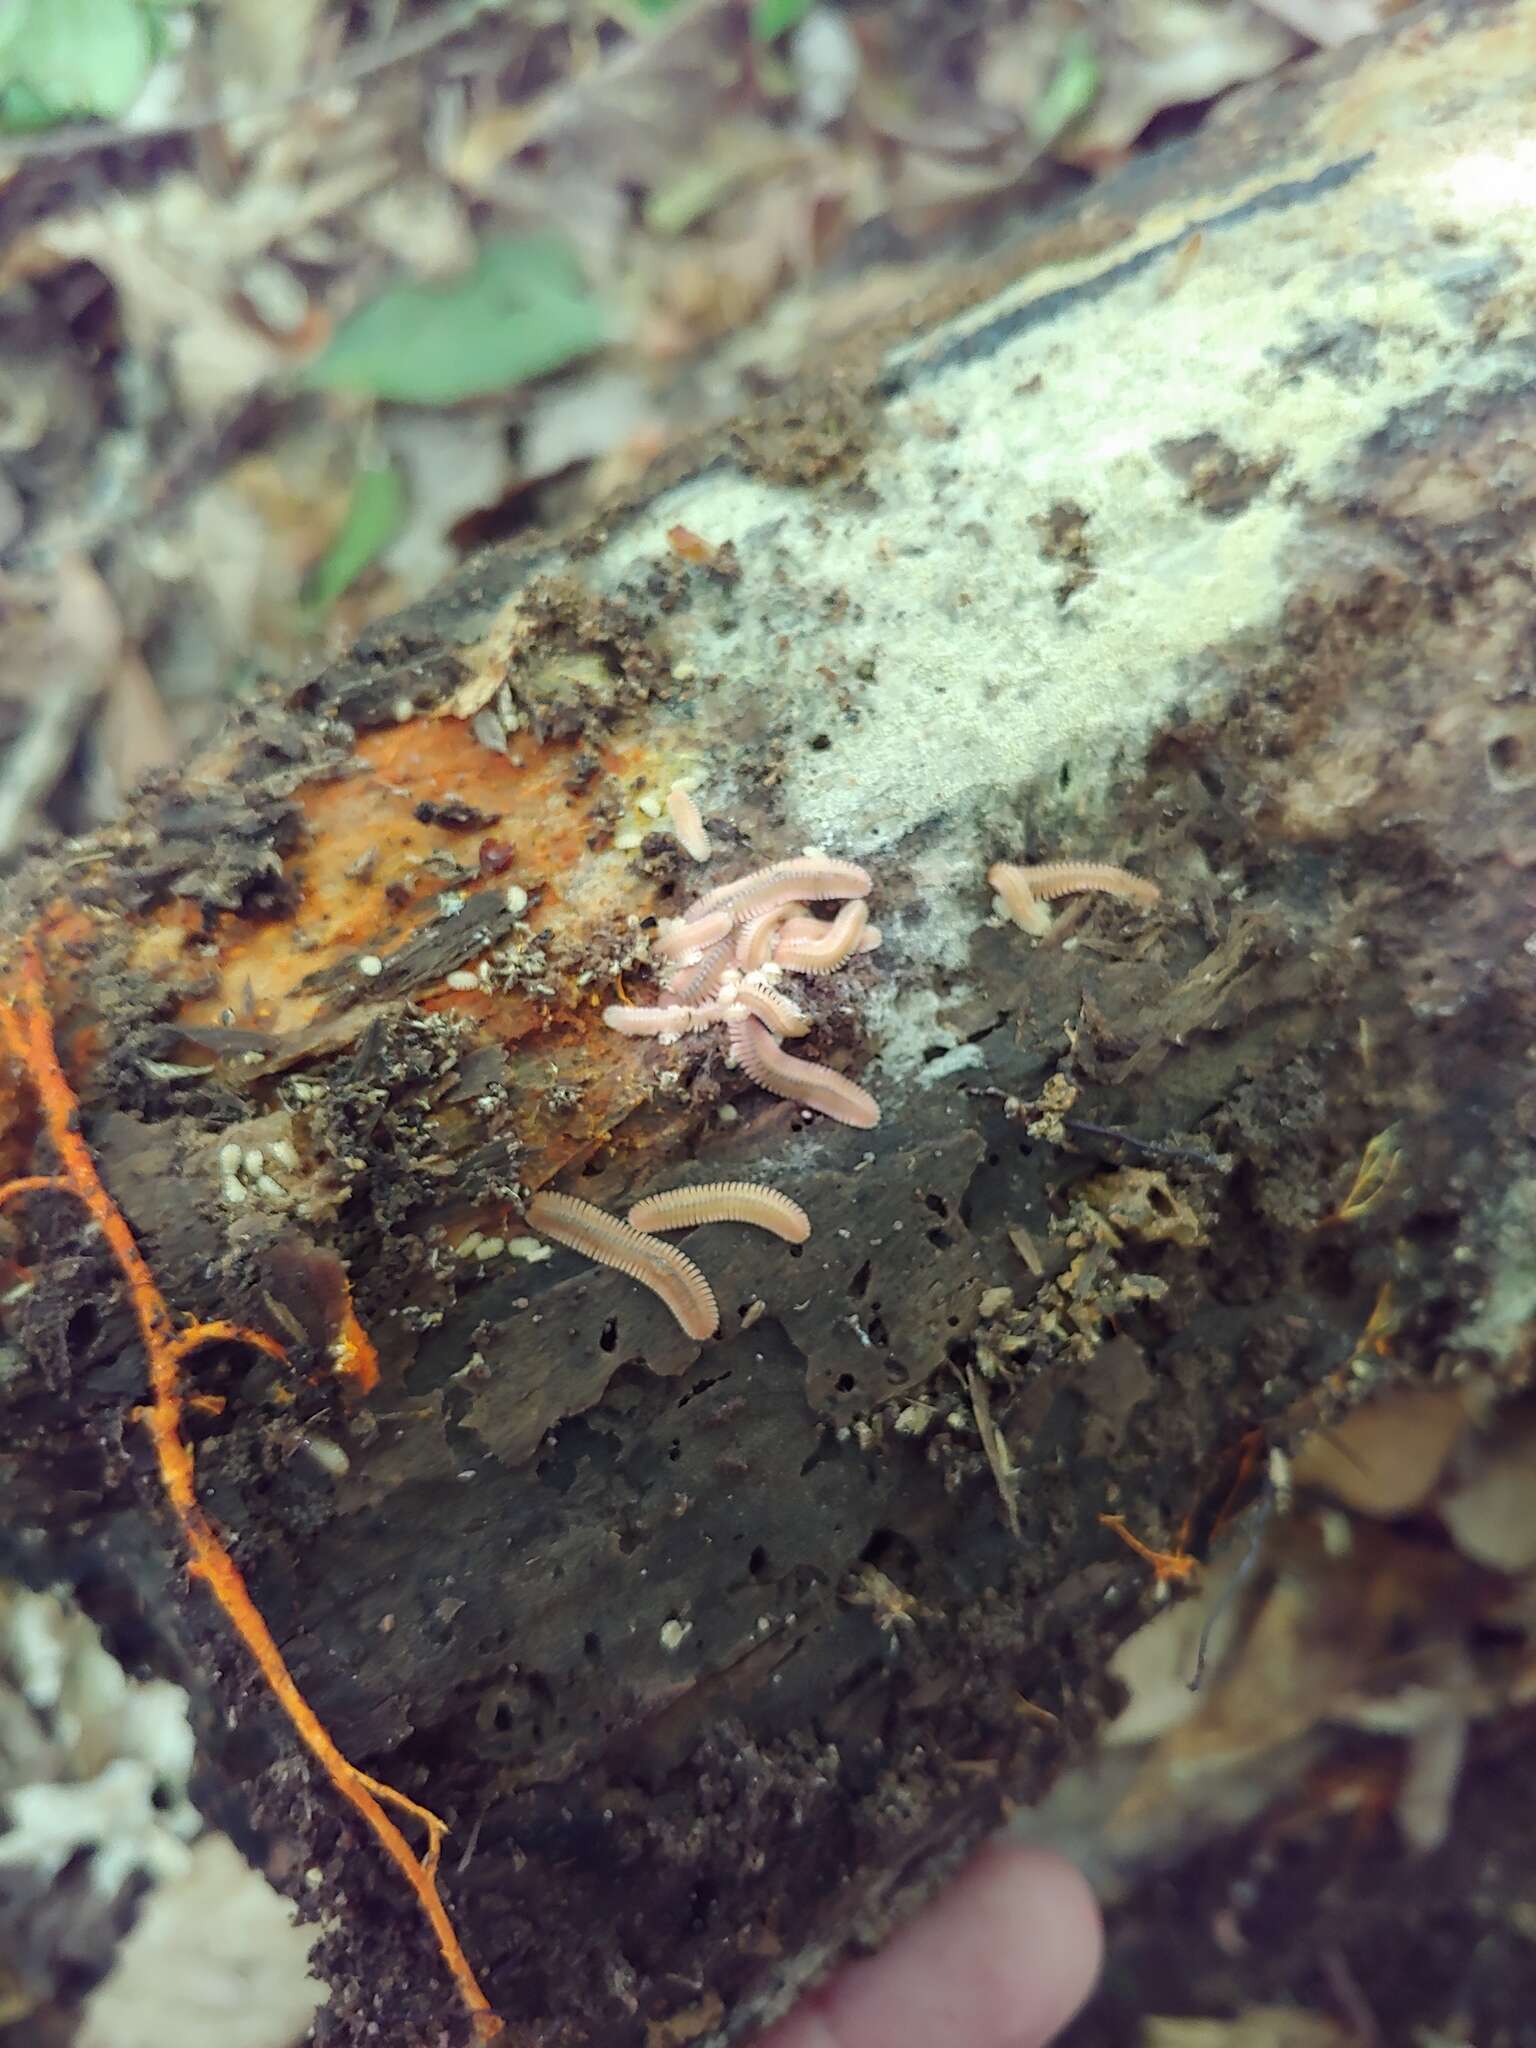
[678, 938]
[800, 928]
[767, 1063]
[1024, 889]
[583, 1227]
[755, 939]
[833, 944]
[781, 1016]
[723, 1201]
[806, 878]
[700, 983]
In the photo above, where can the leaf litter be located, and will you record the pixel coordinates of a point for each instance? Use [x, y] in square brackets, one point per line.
[304, 299]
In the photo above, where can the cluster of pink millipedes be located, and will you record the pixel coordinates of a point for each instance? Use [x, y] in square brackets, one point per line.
[728, 953]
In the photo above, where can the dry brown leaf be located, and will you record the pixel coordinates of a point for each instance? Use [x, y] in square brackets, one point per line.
[178, 254]
[1329, 22]
[1172, 53]
[1491, 1513]
[1293, 1667]
[1386, 1458]
[263, 46]
[133, 735]
[454, 463]
[1155, 1664]
[173, 299]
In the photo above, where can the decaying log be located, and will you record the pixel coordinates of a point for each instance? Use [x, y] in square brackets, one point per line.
[1202, 546]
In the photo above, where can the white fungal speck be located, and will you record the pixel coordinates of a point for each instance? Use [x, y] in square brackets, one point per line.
[234, 1191]
[370, 964]
[451, 902]
[674, 1633]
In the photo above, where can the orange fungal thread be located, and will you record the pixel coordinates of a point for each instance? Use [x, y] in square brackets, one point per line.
[724, 1201]
[352, 1351]
[1166, 1564]
[27, 1030]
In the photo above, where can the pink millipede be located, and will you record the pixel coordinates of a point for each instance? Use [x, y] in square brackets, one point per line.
[834, 944]
[780, 1015]
[641, 1020]
[1024, 888]
[808, 876]
[755, 939]
[724, 1201]
[799, 928]
[585, 1228]
[701, 982]
[687, 823]
[680, 938]
[766, 1062]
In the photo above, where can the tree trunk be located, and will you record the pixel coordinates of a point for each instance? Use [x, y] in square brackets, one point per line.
[1200, 546]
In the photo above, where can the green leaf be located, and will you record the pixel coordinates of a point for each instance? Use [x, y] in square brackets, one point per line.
[76, 57]
[1072, 91]
[374, 516]
[523, 310]
[774, 18]
[22, 112]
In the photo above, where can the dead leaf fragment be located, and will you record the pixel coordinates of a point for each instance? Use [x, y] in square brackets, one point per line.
[1492, 1514]
[1385, 1458]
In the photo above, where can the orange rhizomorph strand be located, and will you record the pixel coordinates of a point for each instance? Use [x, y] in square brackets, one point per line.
[1166, 1564]
[27, 1030]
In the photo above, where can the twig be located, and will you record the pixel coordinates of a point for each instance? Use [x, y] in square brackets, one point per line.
[31, 769]
[1277, 1493]
[1192, 1153]
[374, 56]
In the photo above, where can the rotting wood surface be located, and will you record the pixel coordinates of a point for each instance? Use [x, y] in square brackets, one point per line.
[1201, 549]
